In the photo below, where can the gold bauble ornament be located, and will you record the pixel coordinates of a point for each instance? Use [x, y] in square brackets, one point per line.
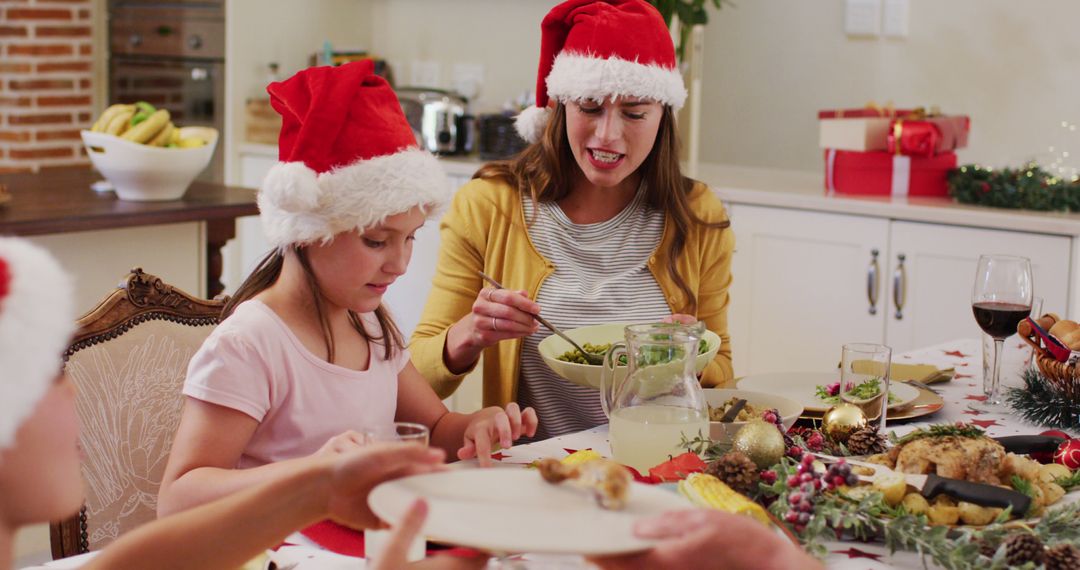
[761, 441]
[842, 420]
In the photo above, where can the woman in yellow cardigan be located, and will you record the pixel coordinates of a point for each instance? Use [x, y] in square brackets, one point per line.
[594, 221]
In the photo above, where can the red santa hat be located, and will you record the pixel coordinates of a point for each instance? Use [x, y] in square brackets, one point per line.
[348, 158]
[596, 49]
[36, 323]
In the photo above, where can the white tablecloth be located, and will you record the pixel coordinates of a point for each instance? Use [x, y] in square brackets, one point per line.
[966, 387]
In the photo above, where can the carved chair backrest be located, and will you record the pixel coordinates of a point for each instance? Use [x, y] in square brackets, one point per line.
[128, 361]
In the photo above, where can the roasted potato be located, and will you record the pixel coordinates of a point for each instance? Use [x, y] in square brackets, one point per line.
[1052, 492]
[915, 504]
[892, 487]
[943, 514]
[976, 515]
[1052, 472]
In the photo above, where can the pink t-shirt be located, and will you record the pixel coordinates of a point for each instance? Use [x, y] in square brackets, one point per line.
[253, 363]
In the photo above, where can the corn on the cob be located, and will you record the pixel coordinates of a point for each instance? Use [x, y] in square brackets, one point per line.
[708, 491]
[580, 456]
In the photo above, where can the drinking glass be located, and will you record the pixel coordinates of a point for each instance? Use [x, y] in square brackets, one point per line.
[375, 540]
[1000, 299]
[862, 361]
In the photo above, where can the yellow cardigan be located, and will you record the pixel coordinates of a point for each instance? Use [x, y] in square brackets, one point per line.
[485, 229]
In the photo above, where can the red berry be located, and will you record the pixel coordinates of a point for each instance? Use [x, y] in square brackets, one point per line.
[793, 481]
[769, 416]
[806, 507]
[791, 516]
[806, 477]
[768, 476]
[817, 483]
[795, 498]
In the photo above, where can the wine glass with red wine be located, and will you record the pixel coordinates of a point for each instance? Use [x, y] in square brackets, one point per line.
[1000, 299]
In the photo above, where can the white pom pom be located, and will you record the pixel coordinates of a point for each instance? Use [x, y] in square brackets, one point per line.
[291, 186]
[531, 122]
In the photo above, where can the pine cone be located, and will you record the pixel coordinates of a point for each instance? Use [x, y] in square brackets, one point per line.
[866, 441]
[1021, 548]
[1063, 557]
[736, 470]
[987, 548]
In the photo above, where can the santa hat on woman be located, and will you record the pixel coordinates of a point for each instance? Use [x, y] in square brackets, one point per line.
[36, 323]
[348, 158]
[595, 49]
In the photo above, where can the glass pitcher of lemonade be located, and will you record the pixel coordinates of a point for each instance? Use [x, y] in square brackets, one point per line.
[651, 395]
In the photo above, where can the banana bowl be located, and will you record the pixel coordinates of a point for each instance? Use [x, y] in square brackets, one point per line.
[144, 173]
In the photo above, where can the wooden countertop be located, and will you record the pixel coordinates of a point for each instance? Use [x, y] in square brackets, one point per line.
[60, 201]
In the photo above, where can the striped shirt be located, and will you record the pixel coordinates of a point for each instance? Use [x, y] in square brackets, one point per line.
[601, 276]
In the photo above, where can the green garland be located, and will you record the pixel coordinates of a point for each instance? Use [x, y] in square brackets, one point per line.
[1028, 188]
[1040, 402]
[869, 517]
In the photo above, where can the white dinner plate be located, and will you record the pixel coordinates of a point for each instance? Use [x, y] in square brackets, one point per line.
[512, 510]
[802, 387]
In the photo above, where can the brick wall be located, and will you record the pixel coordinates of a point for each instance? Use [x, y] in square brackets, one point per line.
[46, 72]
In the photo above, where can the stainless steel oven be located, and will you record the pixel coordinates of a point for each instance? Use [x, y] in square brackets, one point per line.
[172, 55]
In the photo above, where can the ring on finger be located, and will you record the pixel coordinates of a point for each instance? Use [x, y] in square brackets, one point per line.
[494, 324]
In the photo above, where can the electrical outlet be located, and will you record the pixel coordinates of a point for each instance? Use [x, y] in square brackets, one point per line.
[862, 18]
[897, 16]
[468, 78]
[425, 74]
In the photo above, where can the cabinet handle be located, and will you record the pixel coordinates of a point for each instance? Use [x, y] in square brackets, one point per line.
[900, 286]
[872, 282]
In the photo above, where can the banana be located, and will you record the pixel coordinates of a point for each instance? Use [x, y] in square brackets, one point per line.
[175, 140]
[164, 136]
[119, 122]
[146, 130]
[107, 115]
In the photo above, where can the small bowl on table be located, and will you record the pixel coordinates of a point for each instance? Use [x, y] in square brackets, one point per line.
[722, 432]
[145, 173]
[589, 374]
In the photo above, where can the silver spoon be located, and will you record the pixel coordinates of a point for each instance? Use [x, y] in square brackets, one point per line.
[589, 357]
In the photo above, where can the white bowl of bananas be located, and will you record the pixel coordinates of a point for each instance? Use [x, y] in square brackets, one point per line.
[144, 155]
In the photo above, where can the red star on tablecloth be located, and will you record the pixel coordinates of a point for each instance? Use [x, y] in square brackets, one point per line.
[956, 353]
[973, 412]
[976, 398]
[856, 553]
[963, 376]
[499, 456]
[985, 423]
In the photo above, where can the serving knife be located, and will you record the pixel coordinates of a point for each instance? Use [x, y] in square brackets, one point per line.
[1026, 444]
[931, 485]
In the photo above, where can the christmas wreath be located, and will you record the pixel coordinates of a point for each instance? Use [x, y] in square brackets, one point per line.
[1028, 188]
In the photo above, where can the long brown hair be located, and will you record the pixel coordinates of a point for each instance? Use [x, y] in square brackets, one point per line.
[267, 273]
[545, 169]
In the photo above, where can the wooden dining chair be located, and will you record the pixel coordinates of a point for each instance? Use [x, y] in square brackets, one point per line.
[128, 361]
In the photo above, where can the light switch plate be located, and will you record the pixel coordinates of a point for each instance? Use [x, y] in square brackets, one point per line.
[468, 78]
[896, 18]
[862, 18]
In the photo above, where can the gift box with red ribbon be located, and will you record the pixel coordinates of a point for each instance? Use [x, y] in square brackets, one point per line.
[914, 131]
[887, 174]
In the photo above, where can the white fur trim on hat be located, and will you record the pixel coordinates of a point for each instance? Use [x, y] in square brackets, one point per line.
[576, 77]
[298, 207]
[530, 123]
[36, 323]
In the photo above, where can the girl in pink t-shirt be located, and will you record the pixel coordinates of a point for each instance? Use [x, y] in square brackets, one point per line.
[308, 358]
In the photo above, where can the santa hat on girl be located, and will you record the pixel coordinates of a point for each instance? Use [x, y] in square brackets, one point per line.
[36, 323]
[348, 158]
[595, 49]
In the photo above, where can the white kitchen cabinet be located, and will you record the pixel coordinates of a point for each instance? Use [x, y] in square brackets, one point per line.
[799, 287]
[938, 272]
[806, 282]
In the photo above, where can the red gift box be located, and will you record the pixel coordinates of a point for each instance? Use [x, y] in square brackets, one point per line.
[886, 174]
[872, 128]
[928, 136]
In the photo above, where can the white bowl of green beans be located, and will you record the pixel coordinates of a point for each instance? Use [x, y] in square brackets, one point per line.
[565, 361]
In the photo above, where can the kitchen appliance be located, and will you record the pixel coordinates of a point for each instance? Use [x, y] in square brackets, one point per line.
[439, 119]
[497, 138]
[172, 55]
